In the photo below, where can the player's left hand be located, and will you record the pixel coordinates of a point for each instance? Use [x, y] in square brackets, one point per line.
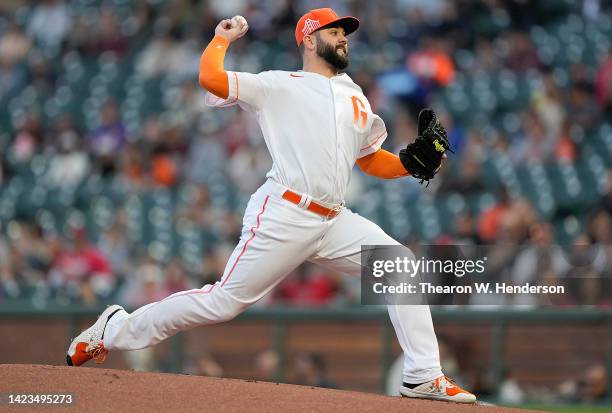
[423, 158]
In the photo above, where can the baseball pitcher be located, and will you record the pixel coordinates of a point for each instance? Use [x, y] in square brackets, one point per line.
[317, 124]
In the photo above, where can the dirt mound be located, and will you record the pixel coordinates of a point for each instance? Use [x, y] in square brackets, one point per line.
[102, 390]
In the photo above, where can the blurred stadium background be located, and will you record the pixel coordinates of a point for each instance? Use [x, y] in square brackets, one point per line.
[117, 184]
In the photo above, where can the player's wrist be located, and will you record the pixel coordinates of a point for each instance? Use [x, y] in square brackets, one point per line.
[221, 40]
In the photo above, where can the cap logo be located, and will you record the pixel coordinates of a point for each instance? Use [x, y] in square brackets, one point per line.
[310, 26]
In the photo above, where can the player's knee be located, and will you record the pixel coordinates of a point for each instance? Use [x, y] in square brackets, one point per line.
[231, 308]
[233, 311]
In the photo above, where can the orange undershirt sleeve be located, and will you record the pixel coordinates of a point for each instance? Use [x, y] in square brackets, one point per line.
[212, 75]
[382, 164]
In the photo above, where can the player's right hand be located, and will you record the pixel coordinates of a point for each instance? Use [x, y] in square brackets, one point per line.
[232, 29]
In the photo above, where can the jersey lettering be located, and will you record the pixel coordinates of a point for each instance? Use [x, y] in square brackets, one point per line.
[360, 116]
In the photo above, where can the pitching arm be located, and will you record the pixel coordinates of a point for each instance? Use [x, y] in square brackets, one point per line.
[228, 88]
[213, 76]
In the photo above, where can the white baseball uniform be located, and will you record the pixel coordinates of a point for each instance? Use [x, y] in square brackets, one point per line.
[315, 129]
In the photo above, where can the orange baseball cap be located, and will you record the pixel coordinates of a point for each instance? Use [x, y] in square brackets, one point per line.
[319, 18]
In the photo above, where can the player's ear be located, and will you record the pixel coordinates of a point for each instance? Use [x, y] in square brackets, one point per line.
[309, 42]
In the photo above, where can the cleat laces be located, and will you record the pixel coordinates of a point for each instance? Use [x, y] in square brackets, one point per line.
[444, 383]
[98, 353]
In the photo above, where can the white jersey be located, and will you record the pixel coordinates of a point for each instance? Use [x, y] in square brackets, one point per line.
[314, 127]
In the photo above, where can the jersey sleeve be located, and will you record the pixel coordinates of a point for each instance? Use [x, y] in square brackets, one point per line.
[375, 139]
[248, 90]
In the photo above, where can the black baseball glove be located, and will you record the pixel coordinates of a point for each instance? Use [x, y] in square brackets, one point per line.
[423, 158]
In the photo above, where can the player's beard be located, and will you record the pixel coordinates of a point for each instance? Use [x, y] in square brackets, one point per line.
[329, 53]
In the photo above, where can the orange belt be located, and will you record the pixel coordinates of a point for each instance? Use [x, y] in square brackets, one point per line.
[318, 209]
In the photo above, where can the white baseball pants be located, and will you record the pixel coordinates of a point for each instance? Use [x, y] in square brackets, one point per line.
[277, 236]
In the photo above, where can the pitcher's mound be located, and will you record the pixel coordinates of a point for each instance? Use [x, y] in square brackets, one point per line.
[102, 390]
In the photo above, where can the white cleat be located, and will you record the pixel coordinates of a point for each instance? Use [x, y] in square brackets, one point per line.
[441, 388]
[89, 345]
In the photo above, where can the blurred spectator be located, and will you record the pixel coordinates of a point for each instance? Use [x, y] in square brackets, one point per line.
[9, 285]
[110, 37]
[267, 364]
[207, 366]
[566, 150]
[225, 225]
[510, 391]
[584, 255]
[548, 105]
[490, 220]
[467, 179]
[522, 55]
[167, 54]
[581, 74]
[82, 38]
[487, 58]
[114, 245]
[394, 377]
[12, 78]
[404, 129]
[205, 159]
[582, 106]
[214, 263]
[176, 277]
[591, 290]
[536, 259]
[591, 9]
[465, 230]
[29, 259]
[145, 285]
[594, 384]
[132, 168]
[433, 11]
[14, 45]
[69, 162]
[310, 369]
[4, 172]
[42, 76]
[82, 271]
[189, 108]
[600, 227]
[100, 32]
[28, 138]
[603, 84]
[517, 222]
[166, 155]
[197, 206]
[107, 140]
[586, 265]
[141, 360]
[536, 144]
[432, 62]
[606, 199]
[49, 22]
[308, 286]
[164, 170]
[591, 386]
